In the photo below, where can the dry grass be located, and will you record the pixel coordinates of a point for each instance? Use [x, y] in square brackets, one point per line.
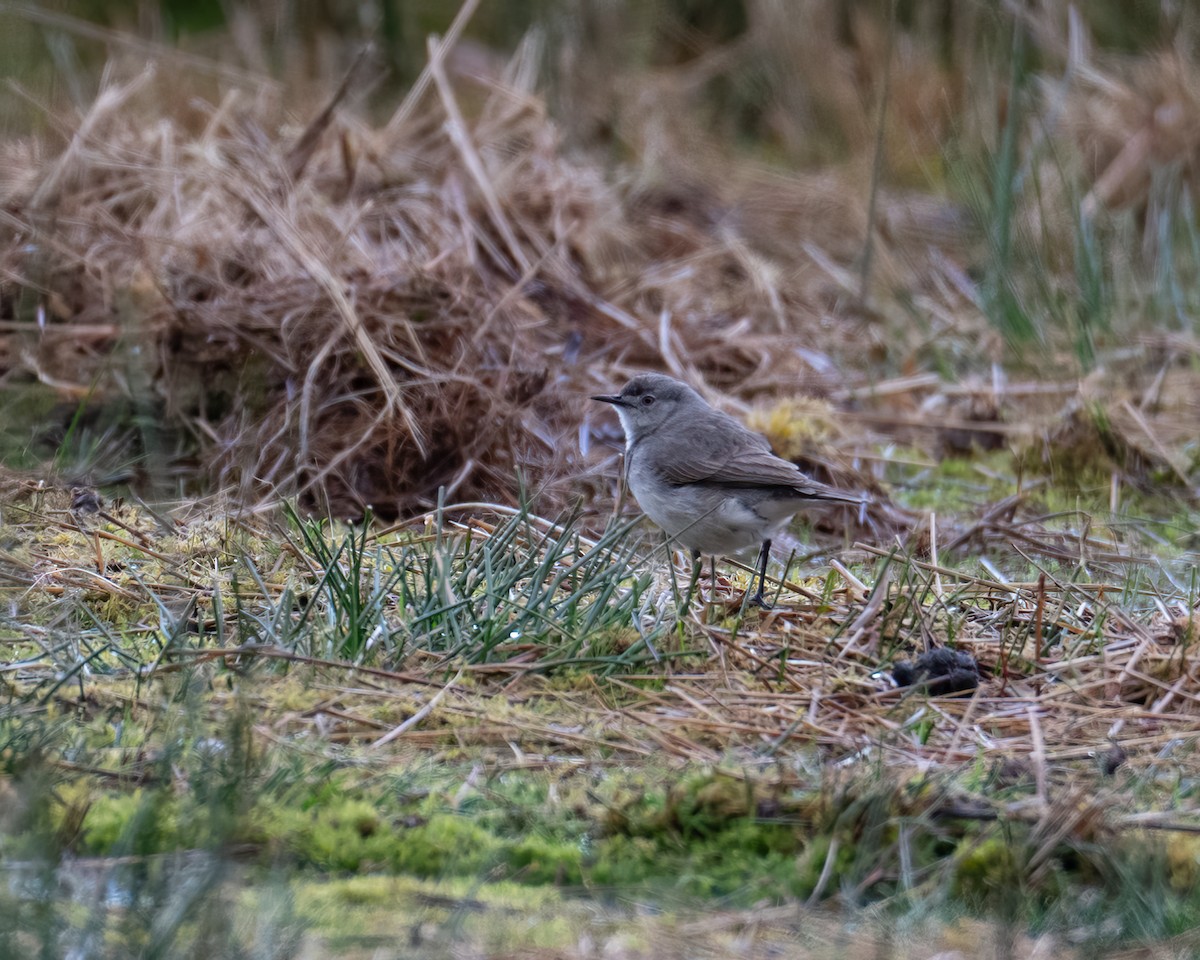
[365, 314]
[1073, 664]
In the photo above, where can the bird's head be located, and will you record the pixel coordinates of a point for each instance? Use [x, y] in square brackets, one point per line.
[648, 401]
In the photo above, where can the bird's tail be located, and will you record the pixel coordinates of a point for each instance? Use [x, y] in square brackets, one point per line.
[812, 490]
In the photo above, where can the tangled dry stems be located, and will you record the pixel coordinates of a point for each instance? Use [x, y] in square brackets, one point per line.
[364, 314]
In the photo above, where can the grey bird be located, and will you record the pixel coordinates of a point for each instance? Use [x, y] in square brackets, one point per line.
[711, 484]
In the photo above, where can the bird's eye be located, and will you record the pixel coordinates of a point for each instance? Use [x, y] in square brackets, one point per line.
[647, 400]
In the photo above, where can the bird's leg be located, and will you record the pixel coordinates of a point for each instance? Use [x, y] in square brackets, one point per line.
[697, 566]
[712, 574]
[763, 556]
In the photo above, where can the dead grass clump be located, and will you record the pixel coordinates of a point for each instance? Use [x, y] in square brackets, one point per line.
[363, 315]
[1135, 122]
[1137, 430]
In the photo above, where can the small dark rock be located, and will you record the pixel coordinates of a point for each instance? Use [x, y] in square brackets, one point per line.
[1112, 759]
[941, 671]
[85, 500]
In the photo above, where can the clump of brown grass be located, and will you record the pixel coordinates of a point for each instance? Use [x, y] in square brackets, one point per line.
[1133, 121]
[365, 314]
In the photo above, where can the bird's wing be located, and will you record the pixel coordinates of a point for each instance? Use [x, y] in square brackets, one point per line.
[740, 459]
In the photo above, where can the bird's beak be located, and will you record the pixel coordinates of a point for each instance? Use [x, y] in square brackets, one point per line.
[614, 400]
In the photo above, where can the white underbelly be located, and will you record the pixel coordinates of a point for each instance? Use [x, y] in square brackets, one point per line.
[728, 527]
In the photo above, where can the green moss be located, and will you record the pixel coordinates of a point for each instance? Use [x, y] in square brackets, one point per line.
[705, 805]
[985, 869]
[346, 834]
[624, 862]
[702, 838]
[446, 845]
[333, 896]
[538, 860]
[749, 861]
[139, 823]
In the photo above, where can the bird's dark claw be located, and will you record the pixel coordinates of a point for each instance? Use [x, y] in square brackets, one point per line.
[758, 600]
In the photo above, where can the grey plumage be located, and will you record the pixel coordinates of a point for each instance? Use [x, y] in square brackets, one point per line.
[709, 482]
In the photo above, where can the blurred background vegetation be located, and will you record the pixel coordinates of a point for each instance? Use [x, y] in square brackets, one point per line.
[879, 174]
[758, 69]
[953, 242]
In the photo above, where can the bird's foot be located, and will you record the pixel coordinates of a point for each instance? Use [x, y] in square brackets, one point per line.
[758, 600]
